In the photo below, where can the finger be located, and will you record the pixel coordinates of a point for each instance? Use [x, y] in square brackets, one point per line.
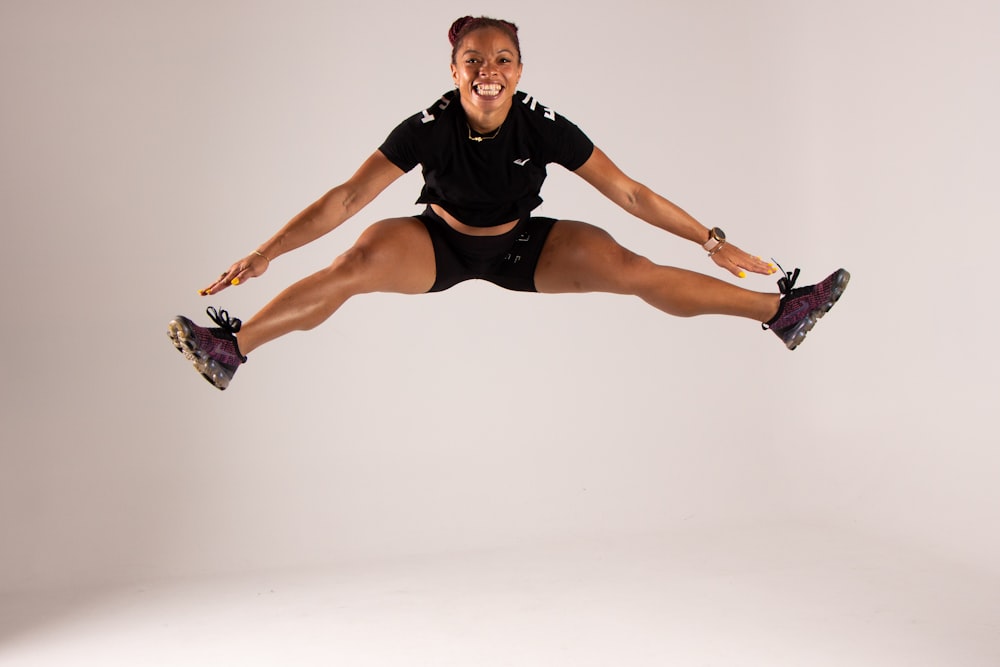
[253, 266]
[734, 268]
[763, 267]
[754, 264]
[214, 288]
[726, 257]
[243, 272]
[741, 265]
[738, 262]
[238, 273]
[725, 260]
[220, 284]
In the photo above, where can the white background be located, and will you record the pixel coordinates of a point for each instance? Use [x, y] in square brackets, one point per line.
[146, 146]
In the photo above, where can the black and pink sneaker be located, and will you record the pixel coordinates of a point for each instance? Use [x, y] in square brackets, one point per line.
[214, 352]
[801, 307]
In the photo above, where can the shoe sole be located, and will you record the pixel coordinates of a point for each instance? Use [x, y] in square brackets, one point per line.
[841, 278]
[181, 333]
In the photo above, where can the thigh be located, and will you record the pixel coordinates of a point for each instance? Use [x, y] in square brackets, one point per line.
[578, 257]
[392, 255]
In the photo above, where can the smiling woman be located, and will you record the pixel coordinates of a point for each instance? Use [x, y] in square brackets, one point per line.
[487, 68]
[483, 149]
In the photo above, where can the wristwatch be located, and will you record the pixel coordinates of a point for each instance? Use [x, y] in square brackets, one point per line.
[716, 237]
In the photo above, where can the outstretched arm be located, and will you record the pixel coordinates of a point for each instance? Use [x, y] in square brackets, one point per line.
[646, 205]
[322, 216]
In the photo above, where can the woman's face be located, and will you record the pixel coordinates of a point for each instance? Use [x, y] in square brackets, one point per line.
[487, 68]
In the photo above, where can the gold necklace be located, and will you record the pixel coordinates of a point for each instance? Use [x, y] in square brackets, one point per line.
[483, 138]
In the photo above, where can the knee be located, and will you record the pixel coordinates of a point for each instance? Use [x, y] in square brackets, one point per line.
[624, 262]
[378, 249]
[632, 271]
[376, 262]
[354, 263]
[354, 258]
[661, 285]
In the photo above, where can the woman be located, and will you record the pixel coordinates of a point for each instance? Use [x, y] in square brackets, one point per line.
[483, 148]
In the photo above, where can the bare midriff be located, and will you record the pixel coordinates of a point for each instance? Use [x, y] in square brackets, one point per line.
[463, 228]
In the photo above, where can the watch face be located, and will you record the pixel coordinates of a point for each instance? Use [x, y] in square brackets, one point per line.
[718, 234]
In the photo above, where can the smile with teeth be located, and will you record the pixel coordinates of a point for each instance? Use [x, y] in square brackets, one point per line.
[488, 89]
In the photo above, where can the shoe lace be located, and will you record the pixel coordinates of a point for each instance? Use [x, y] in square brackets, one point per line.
[230, 325]
[785, 285]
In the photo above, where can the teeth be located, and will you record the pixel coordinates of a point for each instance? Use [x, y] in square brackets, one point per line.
[488, 88]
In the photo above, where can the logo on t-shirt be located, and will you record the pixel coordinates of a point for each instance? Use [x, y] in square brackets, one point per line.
[523, 161]
[532, 103]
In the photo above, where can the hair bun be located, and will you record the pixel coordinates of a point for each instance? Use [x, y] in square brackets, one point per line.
[456, 28]
[463, 26]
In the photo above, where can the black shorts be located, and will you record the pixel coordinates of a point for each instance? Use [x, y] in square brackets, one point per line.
[507, 260]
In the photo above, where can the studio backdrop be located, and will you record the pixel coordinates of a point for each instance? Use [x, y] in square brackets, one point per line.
[146, 146]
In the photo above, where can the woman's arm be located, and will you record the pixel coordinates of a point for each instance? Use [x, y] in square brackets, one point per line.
[319, 218]
[646, 205]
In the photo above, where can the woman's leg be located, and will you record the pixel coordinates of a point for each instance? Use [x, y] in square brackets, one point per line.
[393, 255]
[578, 257]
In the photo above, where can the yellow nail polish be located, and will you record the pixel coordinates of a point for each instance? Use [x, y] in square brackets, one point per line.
[742, 274]
[236, 281]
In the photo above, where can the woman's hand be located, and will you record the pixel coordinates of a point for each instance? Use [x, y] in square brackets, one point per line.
[250, 266]
[737, 262]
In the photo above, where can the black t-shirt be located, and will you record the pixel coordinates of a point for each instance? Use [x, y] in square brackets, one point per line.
[493, 181]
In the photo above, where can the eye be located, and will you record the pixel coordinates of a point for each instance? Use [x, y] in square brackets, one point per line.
[472, 61]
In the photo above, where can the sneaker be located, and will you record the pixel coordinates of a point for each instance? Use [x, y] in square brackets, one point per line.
[801, 307]
[214, 352]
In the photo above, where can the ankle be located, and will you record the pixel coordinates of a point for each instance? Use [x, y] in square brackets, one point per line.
[239, 350]
[772, 308]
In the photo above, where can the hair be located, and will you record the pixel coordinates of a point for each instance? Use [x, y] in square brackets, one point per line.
[463, 26]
